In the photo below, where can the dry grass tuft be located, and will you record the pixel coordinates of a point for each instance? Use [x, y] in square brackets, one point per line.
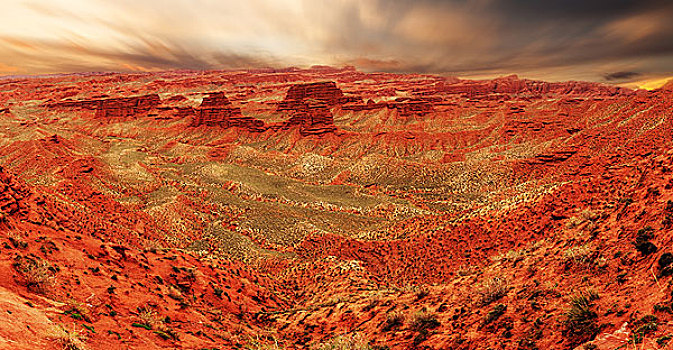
[354, 341]
[69, 339]
[37, 274]
[492, 290]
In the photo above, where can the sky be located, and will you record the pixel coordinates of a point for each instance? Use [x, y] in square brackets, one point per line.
[617, 41]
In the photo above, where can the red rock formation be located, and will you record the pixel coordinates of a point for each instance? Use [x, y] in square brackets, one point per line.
[216, 110]
[405, 107]
[310, 107]
[369, 106]
[113, 108]
[326, 92]
[127, 107]
[9, 198]
[513, 85]
[312, 120]
[409, 107]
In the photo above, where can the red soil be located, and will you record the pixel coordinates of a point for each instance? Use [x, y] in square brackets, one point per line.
[284, 209]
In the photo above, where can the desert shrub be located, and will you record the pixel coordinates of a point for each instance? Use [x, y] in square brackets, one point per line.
[68, 339]
[78, 311]
[37, 274]
[495, 313]
[150, 320]
[492, 290]
[666, 264]
[421, 293]
[423, 320]
[663, 340]
[585, 216]
[643, 327]
[467, 270]
[582, 254]
[511, 255]
[581, 321]
[354, 341]
[642, 242]
[260, 343]
[393, 320]
[16, 239]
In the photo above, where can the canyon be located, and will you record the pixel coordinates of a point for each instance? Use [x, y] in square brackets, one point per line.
[298, 208]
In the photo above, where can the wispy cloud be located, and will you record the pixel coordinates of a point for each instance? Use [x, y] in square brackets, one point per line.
[557, 39]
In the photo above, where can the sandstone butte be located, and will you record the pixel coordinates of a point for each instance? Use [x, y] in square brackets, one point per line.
[299, 208]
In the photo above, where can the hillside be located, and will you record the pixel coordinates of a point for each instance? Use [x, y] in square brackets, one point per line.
[298, 208]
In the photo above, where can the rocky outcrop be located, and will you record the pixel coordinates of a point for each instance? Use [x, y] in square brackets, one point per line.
[216, 110]
[369, 106]
[12, 194]
[513, 85]
[554, 156]
[310, 106]
[405, 107]
[410, 107]
[113, 108]
[312, 120]
[325, 92]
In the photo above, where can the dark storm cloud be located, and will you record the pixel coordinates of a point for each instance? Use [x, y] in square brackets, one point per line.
[576, 8]
[620, 76]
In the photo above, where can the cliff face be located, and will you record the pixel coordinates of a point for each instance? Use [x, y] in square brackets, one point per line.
[326, 92]
[309, 106]
[513, 85]
[216, 110]
[123, 107]
[312, 120]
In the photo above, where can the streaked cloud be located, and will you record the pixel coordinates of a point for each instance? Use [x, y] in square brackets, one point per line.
[556, 40]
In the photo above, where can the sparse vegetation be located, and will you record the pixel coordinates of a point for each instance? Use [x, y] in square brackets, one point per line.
[393, 320]
[492, 290]
[495, 313]
[68, 339]
[581, 255]
[645, 326]
[581, 321]
[260, 343]
[467, 270]
[586, 216]
[355, 341]
[77, 311]
[511, 255]
[642, 242]
[37, 274]
[150, 320]
[424, 320]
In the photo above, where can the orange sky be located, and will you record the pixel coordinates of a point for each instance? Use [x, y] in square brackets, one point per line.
[623, 42]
